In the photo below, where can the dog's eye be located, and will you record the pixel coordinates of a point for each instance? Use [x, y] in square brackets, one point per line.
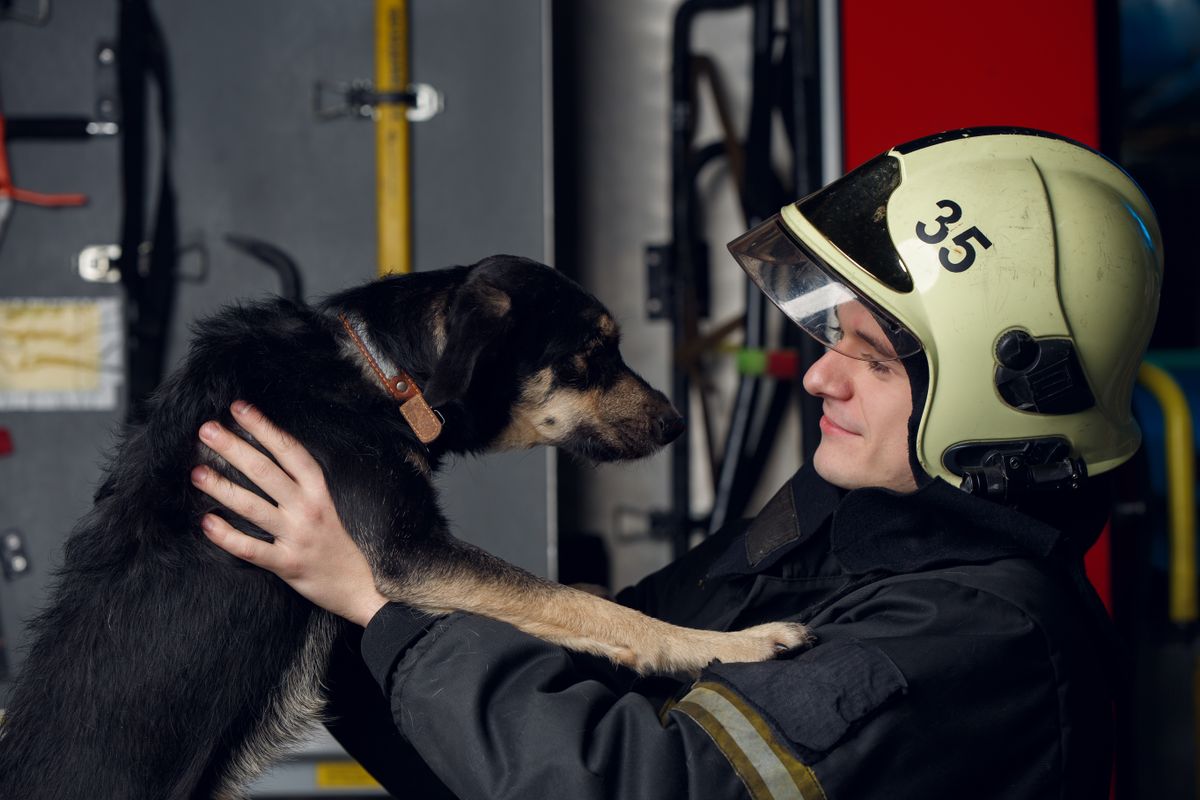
[576, 374]
[572, 371]
[594, 364]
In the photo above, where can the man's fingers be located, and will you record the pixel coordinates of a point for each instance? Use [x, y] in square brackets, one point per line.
[287, 451]
[236, 543]
[246, 459]
[235, 498]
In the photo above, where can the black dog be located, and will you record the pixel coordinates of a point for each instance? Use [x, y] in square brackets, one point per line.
[164, 668]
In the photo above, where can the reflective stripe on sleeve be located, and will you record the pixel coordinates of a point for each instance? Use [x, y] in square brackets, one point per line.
[769, 771]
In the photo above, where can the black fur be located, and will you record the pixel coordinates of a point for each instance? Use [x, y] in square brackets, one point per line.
[162, 664]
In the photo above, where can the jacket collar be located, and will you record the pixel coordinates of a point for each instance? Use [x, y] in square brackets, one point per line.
[878, 529]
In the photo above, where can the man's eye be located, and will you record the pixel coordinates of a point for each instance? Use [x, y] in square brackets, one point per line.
[830, 334]
[879, 367]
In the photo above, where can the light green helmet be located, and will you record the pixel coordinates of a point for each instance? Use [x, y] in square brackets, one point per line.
[1026, 267]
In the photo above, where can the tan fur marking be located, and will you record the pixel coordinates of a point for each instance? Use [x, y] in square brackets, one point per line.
[496, 300]
[621, 405]
[418, 462]
[571, 407]
[297, 702]
[437, 326]
[536, 390]
[528, 427]
[626, 398]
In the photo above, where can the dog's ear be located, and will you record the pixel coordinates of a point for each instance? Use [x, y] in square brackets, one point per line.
[479, 315]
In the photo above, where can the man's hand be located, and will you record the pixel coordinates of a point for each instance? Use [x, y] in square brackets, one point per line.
[312, 551]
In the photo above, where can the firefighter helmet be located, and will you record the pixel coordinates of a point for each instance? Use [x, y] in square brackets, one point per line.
[1024, 266]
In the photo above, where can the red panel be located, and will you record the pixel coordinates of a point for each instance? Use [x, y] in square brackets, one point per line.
[1098, 562]
[919, 67]
[915, 68]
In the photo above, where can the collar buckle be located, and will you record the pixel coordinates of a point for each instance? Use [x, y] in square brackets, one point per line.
[425, 423]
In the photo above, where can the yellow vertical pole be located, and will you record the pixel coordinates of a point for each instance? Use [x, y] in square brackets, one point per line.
[393, 184]
[1183, 604]
[1181, 492]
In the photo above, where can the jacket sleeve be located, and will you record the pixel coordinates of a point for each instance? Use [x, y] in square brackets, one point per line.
[357, 715]
[498, 714]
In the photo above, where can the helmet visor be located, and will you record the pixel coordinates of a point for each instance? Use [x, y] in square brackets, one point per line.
[829, 310]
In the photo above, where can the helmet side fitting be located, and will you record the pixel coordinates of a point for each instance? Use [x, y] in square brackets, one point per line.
[1029, 268]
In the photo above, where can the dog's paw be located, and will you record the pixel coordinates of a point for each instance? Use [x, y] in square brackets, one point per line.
[783, 636]
[763, 642]
[686, 651]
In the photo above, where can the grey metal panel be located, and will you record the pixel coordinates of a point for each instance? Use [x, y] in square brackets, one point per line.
[47, 483]
[250, 158]
[480, 173]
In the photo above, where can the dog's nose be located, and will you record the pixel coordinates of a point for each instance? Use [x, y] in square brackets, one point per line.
[668, 426]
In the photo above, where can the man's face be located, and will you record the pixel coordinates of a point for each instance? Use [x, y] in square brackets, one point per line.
[864, 427]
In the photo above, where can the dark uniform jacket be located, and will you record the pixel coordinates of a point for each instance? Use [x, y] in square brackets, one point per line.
[958, 653]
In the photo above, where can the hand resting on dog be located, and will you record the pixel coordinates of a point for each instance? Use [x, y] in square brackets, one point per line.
[312, 551]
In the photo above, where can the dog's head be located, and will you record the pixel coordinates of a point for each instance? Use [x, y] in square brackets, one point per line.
[529, 358]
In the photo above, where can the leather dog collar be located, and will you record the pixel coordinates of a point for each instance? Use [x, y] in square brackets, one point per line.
[424, 421]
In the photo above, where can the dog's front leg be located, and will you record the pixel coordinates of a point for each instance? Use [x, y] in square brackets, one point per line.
[442, 574]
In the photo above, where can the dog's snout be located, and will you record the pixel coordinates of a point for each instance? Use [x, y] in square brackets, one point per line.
[666, 423]
[668, 426]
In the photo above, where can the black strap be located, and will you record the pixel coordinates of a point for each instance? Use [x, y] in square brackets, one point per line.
[61, 127]
[149, 283]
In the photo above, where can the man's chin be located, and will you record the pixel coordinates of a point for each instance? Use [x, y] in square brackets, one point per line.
[834, 472]
[844, 472]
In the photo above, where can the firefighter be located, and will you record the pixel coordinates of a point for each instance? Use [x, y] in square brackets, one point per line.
[985, 297]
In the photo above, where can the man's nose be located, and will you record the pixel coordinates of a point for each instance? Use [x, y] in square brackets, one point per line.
[827, 377]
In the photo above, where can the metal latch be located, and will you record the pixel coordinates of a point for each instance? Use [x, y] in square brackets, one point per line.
[335, 100]
[97, 263]
[13, 560]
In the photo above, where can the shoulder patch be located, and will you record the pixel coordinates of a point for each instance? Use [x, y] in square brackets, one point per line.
[773, 528]
[816, 697]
